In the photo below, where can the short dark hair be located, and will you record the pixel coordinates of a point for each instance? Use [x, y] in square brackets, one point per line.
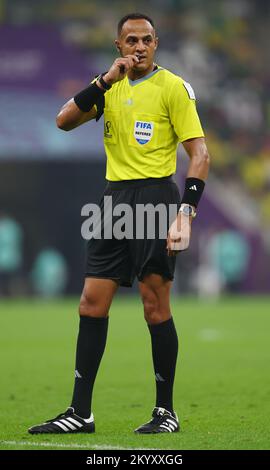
[133, 16]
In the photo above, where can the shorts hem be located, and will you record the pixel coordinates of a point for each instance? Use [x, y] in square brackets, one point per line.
[120, 281]
[153, 270]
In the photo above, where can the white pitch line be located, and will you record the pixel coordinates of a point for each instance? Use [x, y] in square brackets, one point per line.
[70, 446]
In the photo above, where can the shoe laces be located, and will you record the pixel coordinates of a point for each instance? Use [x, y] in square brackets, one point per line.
[68, 412]
[159, 413]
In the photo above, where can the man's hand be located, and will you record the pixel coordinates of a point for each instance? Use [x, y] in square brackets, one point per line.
[179, 234]
[119, 69]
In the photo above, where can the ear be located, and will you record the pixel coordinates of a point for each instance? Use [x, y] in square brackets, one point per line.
[117, 44]
[156, 43]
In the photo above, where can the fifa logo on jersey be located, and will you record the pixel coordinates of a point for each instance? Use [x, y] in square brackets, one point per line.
[107, 129]
[143, 131]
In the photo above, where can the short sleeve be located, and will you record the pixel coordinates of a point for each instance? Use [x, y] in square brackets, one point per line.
[183, 112]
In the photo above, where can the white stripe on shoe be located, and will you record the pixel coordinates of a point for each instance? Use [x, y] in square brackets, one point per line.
[72, 420]
[165, 427]
[172, 422]
[68, 424]
[171, 427]
[62, 426]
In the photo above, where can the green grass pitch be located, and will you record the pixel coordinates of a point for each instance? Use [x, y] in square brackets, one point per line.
[222, 387]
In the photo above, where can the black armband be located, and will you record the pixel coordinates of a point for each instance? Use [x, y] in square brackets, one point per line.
[193, 191]
[87, 98]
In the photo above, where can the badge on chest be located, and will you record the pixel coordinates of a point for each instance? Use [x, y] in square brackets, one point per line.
[143, 131]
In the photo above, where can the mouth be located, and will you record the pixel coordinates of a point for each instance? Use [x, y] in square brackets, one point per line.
[141, 57]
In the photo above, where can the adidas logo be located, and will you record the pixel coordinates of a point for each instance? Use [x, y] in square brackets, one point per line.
[194, 187]
[77, 374]
[170, 425]
[159, 378]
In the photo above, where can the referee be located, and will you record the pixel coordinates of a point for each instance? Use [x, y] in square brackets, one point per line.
[147, 111]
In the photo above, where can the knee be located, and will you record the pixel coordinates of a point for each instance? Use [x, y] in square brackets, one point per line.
[91, 306]
[153, 314]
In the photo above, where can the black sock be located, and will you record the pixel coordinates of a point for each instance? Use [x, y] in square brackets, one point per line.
[164, 350]
[90, 347]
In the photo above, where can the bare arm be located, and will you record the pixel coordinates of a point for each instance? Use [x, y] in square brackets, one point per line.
[180, 230]
[70, 116]
[199, 158]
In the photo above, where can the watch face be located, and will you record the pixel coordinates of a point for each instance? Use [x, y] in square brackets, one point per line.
[187, 210]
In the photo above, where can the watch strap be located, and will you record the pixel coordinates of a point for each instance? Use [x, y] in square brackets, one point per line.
[104, 85]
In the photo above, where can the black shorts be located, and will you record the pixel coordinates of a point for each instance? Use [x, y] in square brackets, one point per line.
[122, 260]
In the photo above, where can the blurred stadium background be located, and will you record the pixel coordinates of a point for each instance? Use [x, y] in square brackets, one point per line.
[48, 51]
[51, 49]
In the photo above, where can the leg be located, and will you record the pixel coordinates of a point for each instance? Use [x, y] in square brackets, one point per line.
[94, 307]
[155, 293]
[97, 297]
[110, 259]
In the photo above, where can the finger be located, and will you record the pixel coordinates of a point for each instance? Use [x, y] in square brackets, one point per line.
[133, 57]
[126, 63]
[172, 244]
[132, 60]
[175, 229]
[125, 66]
[175, 244]
[130, 63]
[122, 68]
[170, 251]
[173, 253]
[121, 65]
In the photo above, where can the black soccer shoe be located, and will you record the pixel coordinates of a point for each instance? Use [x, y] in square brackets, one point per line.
[163, 421]
[67, 422]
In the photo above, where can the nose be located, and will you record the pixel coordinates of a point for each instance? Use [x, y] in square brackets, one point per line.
[140, 46]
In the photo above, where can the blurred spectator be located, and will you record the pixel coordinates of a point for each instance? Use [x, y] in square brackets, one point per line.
[228, 255]
[11, 256]
[50, 273]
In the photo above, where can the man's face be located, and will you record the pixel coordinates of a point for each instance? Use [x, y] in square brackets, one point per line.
[138, 37]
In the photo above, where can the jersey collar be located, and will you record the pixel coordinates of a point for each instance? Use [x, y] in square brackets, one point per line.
[149, 75]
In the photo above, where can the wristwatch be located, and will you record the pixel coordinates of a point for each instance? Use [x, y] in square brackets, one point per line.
[188, 210]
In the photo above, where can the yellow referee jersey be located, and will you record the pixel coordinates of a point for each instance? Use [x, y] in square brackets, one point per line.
[144, 120]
